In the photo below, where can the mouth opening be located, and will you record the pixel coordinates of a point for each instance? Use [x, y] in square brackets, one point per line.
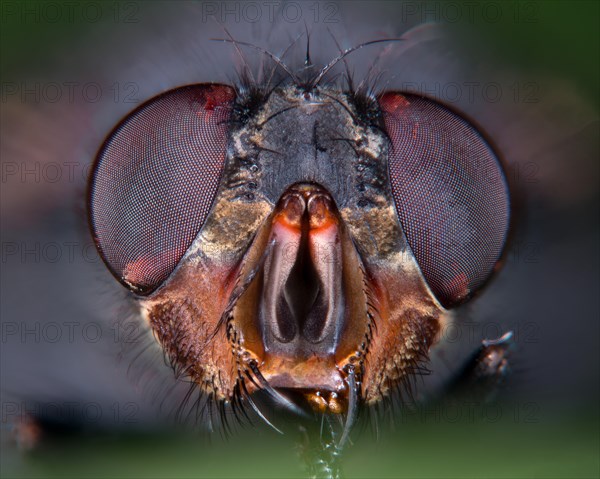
[305, 315]
[302, 303]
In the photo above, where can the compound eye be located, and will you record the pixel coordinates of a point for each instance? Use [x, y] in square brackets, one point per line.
[450, 193]
[155, 180]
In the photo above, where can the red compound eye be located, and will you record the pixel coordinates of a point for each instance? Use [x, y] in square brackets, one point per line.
[450, 193]
[155, 180]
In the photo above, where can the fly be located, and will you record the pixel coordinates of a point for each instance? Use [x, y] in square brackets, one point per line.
[299, 244]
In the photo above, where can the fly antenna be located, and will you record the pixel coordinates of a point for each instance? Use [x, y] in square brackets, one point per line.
[343, 55]
[282, 56]
[272, 56]
[246, 68]
[348, 74]
[307, 60]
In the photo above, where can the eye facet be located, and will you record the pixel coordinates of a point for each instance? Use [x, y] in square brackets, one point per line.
[154, 182]
[450, 194]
